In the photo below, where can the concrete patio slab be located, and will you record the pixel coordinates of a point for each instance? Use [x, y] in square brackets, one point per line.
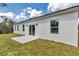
[25, 39]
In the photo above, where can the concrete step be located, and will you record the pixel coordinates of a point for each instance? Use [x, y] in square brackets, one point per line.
[25, 39]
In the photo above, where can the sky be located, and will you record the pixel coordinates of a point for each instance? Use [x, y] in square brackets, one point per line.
[24, 11]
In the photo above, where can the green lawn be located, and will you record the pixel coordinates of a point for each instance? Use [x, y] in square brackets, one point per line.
[38, 47]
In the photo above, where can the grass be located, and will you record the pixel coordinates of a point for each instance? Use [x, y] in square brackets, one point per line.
[38, 47]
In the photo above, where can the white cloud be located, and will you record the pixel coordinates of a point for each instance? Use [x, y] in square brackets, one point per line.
[8, 14]
[33, 12]
[21, 16]
[58, 6]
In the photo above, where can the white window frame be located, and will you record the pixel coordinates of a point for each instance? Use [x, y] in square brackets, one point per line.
[54, 27]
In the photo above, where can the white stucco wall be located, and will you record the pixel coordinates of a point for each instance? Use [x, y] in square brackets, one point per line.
[68, 28]
[20, 31]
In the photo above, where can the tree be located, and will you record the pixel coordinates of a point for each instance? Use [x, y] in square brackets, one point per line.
[7, 25]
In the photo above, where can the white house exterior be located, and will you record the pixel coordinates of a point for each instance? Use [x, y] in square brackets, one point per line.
[59, 26]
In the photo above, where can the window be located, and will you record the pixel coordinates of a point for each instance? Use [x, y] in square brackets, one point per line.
[17, 27]
[54, 27]
[23, 27]
[31, 29]
[78, 14]
[36, 24]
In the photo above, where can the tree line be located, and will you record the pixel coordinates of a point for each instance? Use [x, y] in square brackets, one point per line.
[6, 26]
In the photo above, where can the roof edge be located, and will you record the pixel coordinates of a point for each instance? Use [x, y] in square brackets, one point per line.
[48, 14]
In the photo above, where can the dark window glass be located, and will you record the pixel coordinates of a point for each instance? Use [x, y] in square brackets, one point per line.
[31, 29]
[23, 27]
[54, 27]
[15, 27]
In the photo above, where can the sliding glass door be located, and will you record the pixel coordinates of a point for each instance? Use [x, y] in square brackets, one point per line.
[31, 29]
